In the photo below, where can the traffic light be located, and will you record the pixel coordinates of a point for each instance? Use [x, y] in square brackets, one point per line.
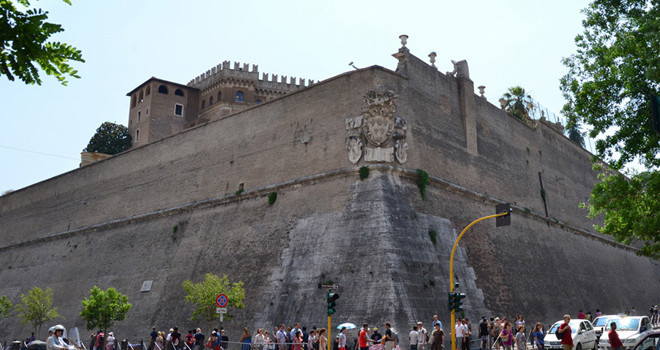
[454, 301]
[332, 298]
[451, 297]
[459, 302]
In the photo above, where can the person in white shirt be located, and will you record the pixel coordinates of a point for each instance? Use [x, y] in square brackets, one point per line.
[421, 336]
[341, 344]
[413, 336]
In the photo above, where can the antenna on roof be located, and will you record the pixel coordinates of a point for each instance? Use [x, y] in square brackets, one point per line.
[352, 65]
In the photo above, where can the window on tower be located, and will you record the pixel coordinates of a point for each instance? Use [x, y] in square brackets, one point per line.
[178, 109]
[178, 92]
[210, 100]
[239, 96]
[162, 89]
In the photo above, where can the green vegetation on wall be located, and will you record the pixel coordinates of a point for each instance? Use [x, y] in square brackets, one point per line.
[272, 197]
[422, 182]
[433, 235]
[364, 172]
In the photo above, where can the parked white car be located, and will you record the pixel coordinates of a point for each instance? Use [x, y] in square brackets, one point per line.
[630, 329]
[582, 331]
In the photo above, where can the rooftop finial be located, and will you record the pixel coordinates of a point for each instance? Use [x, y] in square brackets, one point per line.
[432, 55]
[404, 39]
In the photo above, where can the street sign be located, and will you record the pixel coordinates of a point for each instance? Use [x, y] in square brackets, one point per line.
[329, 286]
[220, 310]
[222, 300]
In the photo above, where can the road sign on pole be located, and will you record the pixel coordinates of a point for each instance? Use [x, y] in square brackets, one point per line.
[222, 300]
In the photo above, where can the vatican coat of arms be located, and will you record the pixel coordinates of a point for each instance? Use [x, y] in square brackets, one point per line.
[385, 134]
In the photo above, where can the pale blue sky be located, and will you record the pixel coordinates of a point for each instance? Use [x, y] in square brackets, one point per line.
[506, 43]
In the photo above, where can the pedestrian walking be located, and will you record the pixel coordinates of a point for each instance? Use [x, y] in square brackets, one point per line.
[437, 337]
[495, 333]
[565, 329]
[246, 340]
[483, 334]
[538, 336]
[615, 342]
[521, 338]
[507, 336]
[412, 337]
[323, 341]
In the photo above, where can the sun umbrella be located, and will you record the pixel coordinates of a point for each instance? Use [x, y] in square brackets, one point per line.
[348, 325]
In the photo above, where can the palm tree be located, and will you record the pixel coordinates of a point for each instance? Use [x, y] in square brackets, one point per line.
[518, 103]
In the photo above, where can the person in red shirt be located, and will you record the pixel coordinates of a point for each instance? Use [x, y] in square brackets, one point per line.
[363, 338]
[565, 329]
[581, 315]
[615, 342]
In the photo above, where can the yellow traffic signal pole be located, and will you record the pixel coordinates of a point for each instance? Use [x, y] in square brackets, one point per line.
[329, 327]
[451, 273]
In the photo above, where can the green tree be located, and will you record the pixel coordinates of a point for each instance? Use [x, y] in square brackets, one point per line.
[104, 308]
[631, 209]
[24, 36]
[110, 138]
[37, 308]
[610, 78]
[518, 103]
[574, 134]
[608, 85]
[203, 295]
[5, 307]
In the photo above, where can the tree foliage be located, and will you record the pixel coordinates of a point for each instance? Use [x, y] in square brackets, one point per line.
[610, 78]
[574, 134]
[203, 295]
[36, 308]
[631, 209]
[608, 87]
[5, 307]
[110, 138]
[24, 36]
[518, 103]
[104, 308]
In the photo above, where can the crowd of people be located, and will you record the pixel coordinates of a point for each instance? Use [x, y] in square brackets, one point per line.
[492, 334]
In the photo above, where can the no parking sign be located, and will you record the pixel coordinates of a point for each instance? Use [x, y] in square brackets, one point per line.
[221, 300]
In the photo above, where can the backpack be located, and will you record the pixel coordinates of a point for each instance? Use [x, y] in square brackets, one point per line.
[316, 344]
[559, 336]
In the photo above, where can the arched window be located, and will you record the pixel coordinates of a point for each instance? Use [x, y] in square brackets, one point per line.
[178, 92]
[148, 90]
[210, 100]
[219, 95]
[239, 96]
[141, 96]
[133, 101]
[162, 89]
[203, 103]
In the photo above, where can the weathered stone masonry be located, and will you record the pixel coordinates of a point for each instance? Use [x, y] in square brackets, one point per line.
[111, 223]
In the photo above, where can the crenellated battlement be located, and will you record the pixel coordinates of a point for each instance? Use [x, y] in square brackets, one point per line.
[225, 70]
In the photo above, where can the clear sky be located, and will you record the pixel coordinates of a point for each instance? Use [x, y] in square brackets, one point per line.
[44, 128]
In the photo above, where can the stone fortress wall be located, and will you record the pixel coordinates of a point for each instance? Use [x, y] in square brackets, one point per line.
[168, 211]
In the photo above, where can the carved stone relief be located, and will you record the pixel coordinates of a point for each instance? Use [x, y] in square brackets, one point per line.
[385, 134]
